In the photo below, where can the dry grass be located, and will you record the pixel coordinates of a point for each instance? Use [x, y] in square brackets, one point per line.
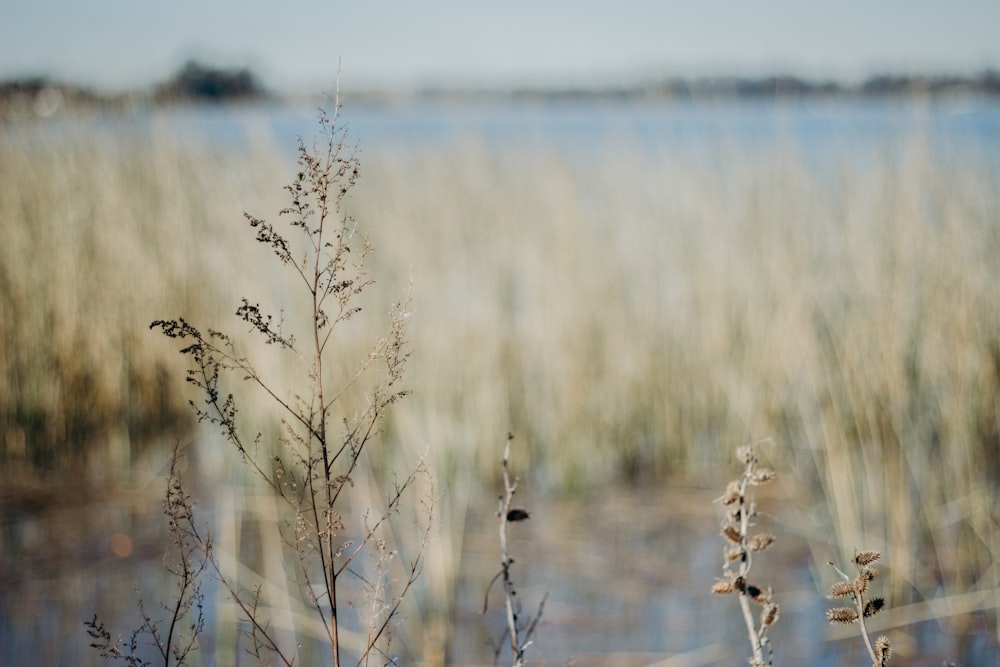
[627, 317]
[98, 236]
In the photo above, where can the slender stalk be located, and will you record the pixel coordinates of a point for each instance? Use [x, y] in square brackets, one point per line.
[752, 635]
[864, 631]
[505, 560]
[746, 564]
[518, 634]
[321, 433]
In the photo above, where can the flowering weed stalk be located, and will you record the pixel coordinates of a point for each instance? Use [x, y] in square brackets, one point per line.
[741, 545]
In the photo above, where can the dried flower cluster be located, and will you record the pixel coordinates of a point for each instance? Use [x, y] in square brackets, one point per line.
[864, 606]
[741, 544]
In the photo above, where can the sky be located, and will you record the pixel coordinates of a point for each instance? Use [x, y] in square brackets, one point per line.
[298, 45]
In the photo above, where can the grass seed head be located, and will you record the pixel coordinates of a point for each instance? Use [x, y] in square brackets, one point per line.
[842, 615]
[722, 587]
[874, 606]
[863, 558]
[732, 533]
[769, 615]
[761, 541]
[842, 589]
[732, 494]
[883, 651]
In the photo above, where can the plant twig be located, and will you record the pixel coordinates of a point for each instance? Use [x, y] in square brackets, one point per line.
[516, 633]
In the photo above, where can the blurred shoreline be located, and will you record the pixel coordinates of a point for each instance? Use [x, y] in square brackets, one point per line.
[43, 96]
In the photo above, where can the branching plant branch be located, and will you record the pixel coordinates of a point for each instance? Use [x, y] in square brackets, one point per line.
[322, 451]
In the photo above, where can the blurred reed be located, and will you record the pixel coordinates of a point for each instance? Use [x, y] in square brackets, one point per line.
[630, 318]
[99, 234]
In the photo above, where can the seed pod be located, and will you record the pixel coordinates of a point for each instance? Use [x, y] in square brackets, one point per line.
[842, 615]
[732, 533]
[769, 615]
[863, 558]
[874, 606]
[883, 651]
[841, 589]
[732, 493]
[722, 586]
[761, 541]
[735, 553]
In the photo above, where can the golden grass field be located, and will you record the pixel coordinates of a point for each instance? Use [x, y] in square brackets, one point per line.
[629, 319]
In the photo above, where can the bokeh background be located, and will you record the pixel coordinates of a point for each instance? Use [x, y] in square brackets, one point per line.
[635, 235]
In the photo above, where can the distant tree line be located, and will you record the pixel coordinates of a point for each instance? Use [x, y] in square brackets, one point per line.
[198, 82]
[193, 83]
[986, 83]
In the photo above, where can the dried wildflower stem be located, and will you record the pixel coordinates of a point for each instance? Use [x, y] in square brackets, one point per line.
[519, 636]
[746, 564]
[880, 650]
[322, 444]
[741, 545]
[859, 603]
[864, 633]
[505, 560]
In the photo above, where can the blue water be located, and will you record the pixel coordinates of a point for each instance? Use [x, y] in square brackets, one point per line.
[817, 129]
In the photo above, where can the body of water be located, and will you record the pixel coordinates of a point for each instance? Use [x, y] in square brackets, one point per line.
[626, 574]
[818, 129]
